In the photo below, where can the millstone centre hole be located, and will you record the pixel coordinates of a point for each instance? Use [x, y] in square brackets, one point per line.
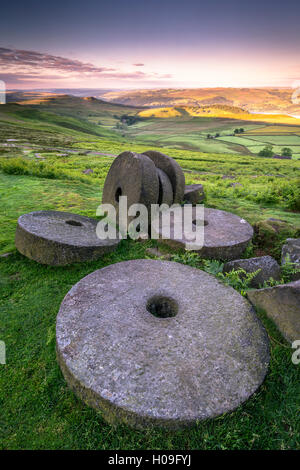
[74, 223]
[200, 222]
[162, 307]
[118, 193]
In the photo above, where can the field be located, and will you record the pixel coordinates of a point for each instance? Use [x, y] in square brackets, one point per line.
[43, 169]
[254, 100]
[189, 127]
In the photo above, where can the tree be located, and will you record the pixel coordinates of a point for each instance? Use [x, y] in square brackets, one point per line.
[236, 131]
[267, 151]
[286, 152]
[242, 130]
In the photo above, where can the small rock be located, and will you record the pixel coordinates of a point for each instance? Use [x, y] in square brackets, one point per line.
[292, 250]
[269, 268]
[194, 194]
[88, 171]
[233, 185]
[227, 177]
[281, 304]
[156, 252]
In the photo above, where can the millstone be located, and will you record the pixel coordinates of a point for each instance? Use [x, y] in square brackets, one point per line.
[60, 238]
[165, 189]
[132, 175]
[172, 170]
[154, 342]
[225, 235]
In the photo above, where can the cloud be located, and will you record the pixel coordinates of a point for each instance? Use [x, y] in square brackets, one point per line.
[39, 61]
[139, 65]
[22, 66]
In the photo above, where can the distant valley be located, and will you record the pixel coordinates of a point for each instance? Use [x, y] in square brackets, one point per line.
[256, 100]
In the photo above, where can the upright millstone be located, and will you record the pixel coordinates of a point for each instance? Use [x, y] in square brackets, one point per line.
[172, 170]
[153, 342]
[132, 175]
[60, 238]
[165, 195]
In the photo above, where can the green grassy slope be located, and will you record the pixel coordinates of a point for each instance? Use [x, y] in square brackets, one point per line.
[91, 109]
[38, 411]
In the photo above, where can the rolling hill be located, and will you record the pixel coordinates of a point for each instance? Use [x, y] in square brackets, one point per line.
[218, 111]
[255, 100]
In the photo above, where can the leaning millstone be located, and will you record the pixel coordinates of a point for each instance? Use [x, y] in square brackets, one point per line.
[268, 266]
[282, 304]
[194, 194]
[291, 251]
[132, 175]
[165, 189]
[226, 235]
[60, 238]
[173, 171]
[153, 342]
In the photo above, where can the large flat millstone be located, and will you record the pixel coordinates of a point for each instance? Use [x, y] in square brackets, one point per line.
[60, 238]
[226, 235]
[153, 342]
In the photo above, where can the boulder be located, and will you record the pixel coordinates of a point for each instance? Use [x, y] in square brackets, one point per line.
[291, 250]
[271, 233]
[194, 194]
[269, 268]
[282, 305]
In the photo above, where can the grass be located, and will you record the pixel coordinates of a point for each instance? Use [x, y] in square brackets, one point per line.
[218, 111]
[38, 411]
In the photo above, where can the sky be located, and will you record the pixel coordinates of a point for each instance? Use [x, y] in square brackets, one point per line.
[149, 44]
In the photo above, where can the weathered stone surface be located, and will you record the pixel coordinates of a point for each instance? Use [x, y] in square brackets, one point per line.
[60, 238]
[139, 342]
[132, 175]
[269, 268]
[194, 194]
[165, 195]
[282, 304]
[291, 250]
[270, 233]
[173, 171]
[225, 235]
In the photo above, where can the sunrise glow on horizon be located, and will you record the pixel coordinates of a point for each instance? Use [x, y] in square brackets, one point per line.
[159, 45]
